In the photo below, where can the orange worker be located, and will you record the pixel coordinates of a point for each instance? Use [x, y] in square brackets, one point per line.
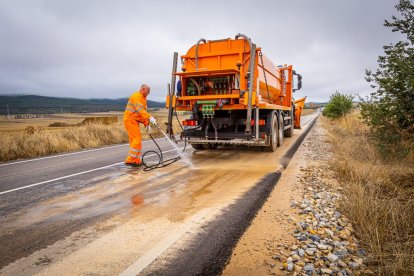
[135, 113]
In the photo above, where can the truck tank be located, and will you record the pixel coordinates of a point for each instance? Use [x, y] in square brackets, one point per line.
[216, 57]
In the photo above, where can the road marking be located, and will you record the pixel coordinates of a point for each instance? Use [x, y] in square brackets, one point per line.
[71, 153]
[140, 264]
[75, 174]
[311, 120]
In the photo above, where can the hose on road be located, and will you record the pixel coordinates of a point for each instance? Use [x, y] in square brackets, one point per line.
[161, 163]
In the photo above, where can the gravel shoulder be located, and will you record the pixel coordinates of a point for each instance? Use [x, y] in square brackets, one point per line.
[299, 230]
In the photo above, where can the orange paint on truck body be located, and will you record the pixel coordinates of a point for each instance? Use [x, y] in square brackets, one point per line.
[299, 104]
[222, 67]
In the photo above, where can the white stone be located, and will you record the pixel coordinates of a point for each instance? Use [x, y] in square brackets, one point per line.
[332, 257]
[326, 271]
[322, 246]
[309, 252]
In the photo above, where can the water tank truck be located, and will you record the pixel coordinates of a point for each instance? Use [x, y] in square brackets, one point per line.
[235, 95]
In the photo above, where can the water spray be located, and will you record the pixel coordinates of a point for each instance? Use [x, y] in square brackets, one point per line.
[161, 162]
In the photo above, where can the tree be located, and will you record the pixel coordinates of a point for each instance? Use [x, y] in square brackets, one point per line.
[390, 110]
[339, 105]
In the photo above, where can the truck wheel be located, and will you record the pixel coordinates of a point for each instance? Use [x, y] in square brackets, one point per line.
[289, 131]
[273, 135]
[280, 132]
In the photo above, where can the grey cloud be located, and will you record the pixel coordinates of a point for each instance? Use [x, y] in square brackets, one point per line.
[107, 48]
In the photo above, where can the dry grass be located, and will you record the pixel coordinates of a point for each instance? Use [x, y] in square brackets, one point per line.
[38, 141]
[380, 197]
[13, 125]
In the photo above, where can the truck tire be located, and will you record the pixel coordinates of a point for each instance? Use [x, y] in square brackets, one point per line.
[273, 134]
[281, 131]
[289, 131]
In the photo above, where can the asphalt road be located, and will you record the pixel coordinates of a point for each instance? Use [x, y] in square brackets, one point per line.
[25, 183]
[29, 176]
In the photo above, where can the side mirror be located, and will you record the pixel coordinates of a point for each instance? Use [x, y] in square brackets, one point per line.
[299, 76]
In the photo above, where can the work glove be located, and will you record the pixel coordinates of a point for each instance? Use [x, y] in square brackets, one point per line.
[153, 121]
[148, 128]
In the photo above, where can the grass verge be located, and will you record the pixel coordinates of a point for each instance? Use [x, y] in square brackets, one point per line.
[379, 196]
[37, 141]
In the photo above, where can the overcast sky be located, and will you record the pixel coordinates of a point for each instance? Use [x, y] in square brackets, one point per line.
[106, 49]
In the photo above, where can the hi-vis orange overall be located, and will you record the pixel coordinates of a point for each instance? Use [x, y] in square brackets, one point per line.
[135, 113]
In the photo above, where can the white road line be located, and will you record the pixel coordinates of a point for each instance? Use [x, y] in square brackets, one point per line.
[311, 119]
[67, 176]
[145, 260]
[71, 153]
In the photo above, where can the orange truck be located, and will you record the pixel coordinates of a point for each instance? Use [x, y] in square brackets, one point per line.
[235, 95]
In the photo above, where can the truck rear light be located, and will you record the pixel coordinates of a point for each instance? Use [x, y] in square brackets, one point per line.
[261, 122]
[190, 123]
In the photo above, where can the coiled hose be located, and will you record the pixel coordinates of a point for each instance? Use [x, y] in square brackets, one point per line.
[161, 162]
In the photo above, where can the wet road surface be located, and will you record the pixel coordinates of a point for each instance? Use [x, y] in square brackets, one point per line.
[37, 216]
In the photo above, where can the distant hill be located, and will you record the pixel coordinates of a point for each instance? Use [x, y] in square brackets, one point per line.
[314, 104]
[31, 104]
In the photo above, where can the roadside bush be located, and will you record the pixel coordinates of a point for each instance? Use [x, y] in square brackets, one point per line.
[339, 105]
